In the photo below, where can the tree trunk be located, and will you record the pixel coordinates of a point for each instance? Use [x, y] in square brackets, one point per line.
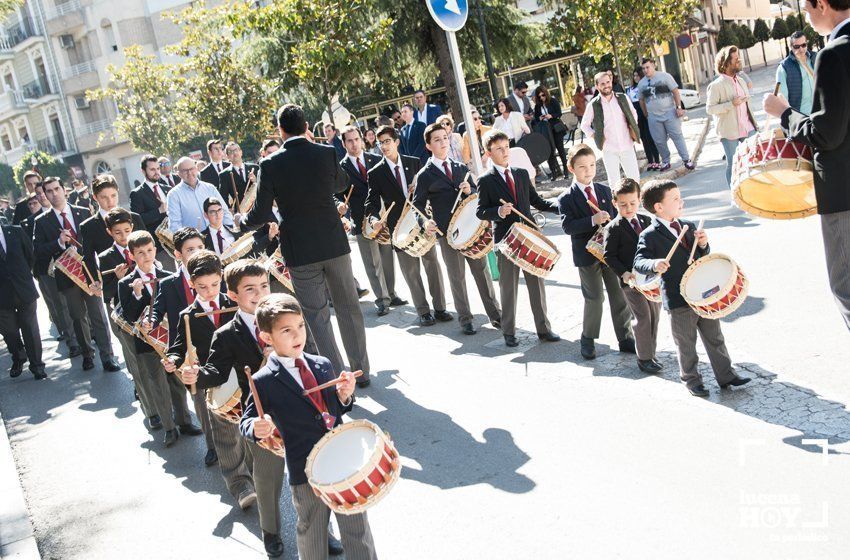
[444, 63]
[763, 55]
[617, 63]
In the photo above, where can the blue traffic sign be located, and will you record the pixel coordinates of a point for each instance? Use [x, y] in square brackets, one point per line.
[449, 14]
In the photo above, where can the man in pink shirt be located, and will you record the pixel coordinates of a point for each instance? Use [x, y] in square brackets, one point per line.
[611, 120]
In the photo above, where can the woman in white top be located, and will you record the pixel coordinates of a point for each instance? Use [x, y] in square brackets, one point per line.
[510, 122]
[455, 150]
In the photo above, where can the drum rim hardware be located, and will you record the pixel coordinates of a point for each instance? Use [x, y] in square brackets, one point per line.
[701, 307]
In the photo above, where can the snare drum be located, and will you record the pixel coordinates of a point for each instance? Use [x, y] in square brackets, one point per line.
[122, 323]
[165, 236]
[238, 249]
[277, 267]
[353, 467]
[225, 400]
[382, 236]
[273, 443]
[411, 237]
[772, 177]
[157, 338]
[714, 286]
[530, 250]
[648, 286]
[596, 245]
[470, 235]
[70, 263]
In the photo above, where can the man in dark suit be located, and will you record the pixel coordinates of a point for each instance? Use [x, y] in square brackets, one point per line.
[513, 185]
[216, 165]
[412, 136]
[31, 179]
[439, 184]
[827, 131]
[424, 112]
[18, 302]
[81, 196]
[148, 200]
[377, 258]
[55, 231]
[391, 181]
[302, 177]
[520, 102]
[332, 139]
[234, 179]
[168, 177]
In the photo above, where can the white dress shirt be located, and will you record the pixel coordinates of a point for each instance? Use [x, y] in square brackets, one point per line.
[157, 190]
[289, 365]
[422, 114]
[138, 273]
[250, 322]
[669, 227]
[226, 236]
[400, 173]
[439, 163]
[67, 212]
[205, 305]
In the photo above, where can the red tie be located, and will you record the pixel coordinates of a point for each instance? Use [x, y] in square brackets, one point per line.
[259, 340]
[398, 178]
[66, 224]
[675, 225]
[215, 318]
[309, 381]
[591, 198]
[447, 170]
[156, 193]
[187, 290]
[362, 169]
[509, 180]
[128, 260]
[220, 243]
[636, 225]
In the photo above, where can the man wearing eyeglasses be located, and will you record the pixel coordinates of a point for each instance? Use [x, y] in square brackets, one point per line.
[796, 74]
[167, 175]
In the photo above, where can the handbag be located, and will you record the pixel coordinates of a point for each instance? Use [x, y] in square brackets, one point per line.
[559, 127]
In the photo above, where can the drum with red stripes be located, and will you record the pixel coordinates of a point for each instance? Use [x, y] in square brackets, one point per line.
[714, 286]
[530, 250]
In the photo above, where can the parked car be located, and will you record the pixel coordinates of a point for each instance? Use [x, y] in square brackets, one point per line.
[690, 98]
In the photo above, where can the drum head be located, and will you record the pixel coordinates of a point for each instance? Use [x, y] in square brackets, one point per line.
[537, 239]
[466, 225]
[218, 396]
[778, 193]
[709, 278]
[344, 454]
[537, 146]
[644, 281]
[405, 226]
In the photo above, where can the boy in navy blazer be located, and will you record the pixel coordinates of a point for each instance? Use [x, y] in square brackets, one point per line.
[663, 199]
[580, 220]
[621, 238]
[302, 421]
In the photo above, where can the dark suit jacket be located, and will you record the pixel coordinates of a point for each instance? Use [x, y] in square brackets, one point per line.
[302, 177]
[434, 186]
[46, 243]
[295, 416]
[96, 239]
[175, 180]
[383, 186]
[413, 141]
[827, 129]
[228, 179]
[132, 308]
[202, 331]
[15, 276]
[357, 202]
[143, 202]
[210, 175]
[232, 347]
[28, 224]
[577, 218]
[170, 301]
[22, 212]
[109, 259]
[654, 243]
[431, 113]
[492, 187]
[621, 243]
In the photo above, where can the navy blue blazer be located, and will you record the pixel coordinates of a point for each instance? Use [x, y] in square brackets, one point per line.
[654, 243]
[412, 143]
[15, 269]
[434, 186]
[295, 416]
[577, 218]
[621, 243]
[492, 188]
[170, 301]
[431, 113]
[132, 308]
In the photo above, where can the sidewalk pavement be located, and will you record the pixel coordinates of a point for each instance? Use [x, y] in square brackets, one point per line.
[17, 540]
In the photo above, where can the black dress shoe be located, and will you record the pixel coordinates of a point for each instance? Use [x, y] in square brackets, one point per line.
[497, 324]
[16, 369]
[736, 382]
[154, 423]
[657, 364]
[211, 458]
[548, 337]
[699, 391]
[511, 341]
[588, 348]
[273, 544]
[74, 351]
[362, 292]
[190, 430]
[628, 346]
[426, 320]
[649, 366]
[364, 381]
[382, 309]
[443, 316]
[397, 301]
[468, 329]
[88, 363]
[38, 372]
[62, 337]
[170, 438]
[334, 546]
[111, 365]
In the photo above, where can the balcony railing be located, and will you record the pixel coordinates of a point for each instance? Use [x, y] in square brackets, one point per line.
[38, 88]
[22, 31]
[63, 8]
[81, 68]
[92, 127]
[52, 145]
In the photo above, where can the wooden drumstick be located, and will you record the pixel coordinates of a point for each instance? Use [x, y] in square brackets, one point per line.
[191, 352]
[153, 282]
[74, 241]
[350, 191]
[424, 217]
[254, 394]
[110, 271]
[217, 312]
[520, 214]
[460, 192]
[676, 244]
[776, 88]
[694, 248]
[386, 213]
[330, 383]
[87, 271]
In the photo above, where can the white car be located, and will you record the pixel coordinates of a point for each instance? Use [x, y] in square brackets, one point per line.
[690, 98]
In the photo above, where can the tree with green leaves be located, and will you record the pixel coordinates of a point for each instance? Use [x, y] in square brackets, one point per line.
[780, 32]
[9, 6]
[746, 39]
[761, 33]
[152, 104]
[7, 181]
[727, 35]
[45, 164]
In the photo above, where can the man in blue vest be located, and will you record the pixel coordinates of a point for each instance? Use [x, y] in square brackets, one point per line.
[796, 74]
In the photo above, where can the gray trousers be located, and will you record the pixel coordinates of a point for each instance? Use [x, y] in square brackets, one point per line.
[231, 449]
[645, 325]
[312, 283]
[312, 529]
[836, 242]
[56, 308]
[592, 278]
[268, 471]
[508, 288]
[199, 403]
[410, 270]
[141, 381]
[380, 268]
[685, 325]
[89, 321]
[668, 126]
[167, 391]
[454, 260]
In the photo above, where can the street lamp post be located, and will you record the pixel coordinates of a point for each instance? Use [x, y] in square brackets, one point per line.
[488, 59]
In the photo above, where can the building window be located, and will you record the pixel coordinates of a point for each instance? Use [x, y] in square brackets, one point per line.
[102, 167]
[7, 143]
[24, 134]
[109, 35]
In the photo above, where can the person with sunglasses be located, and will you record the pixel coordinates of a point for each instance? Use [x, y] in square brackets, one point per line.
[796, 74]
[455, 150]
[480, 130]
